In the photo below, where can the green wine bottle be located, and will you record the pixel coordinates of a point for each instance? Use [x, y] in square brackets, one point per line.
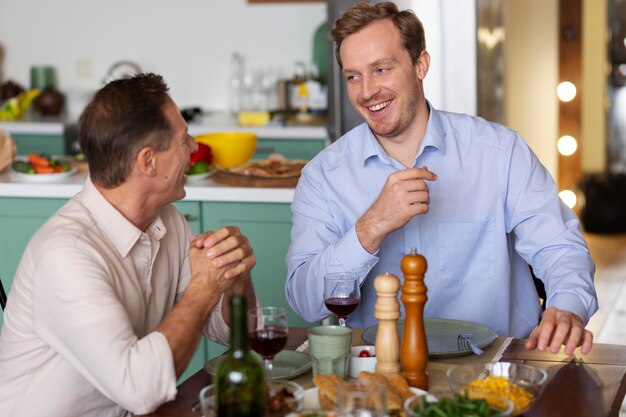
[241, 386]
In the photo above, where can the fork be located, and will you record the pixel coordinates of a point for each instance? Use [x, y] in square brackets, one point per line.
[465, 342]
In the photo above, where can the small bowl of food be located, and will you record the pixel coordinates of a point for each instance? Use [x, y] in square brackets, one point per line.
[285, 397]
[450, 404]
[522, 384]
[362, 358]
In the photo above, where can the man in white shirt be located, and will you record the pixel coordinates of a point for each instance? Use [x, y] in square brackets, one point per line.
[113, 292]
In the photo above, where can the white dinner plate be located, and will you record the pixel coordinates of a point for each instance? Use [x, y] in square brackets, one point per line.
[310, 401]
[198, 177]
[288, 364]
[42, 178]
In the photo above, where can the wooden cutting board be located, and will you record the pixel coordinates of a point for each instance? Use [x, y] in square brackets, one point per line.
[238, 180]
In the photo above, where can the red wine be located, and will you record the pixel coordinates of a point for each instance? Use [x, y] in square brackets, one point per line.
[268, 341]
[342, 307]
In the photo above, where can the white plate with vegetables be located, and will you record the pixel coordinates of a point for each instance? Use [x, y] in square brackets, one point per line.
[41, 169]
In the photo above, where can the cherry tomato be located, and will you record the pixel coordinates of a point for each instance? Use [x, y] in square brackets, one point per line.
[364, 354]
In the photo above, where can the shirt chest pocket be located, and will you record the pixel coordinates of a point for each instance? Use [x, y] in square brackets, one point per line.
[466, 252]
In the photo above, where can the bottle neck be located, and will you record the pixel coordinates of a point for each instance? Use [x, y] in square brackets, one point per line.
[238, 325]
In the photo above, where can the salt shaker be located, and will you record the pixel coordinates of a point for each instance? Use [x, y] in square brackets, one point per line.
[387, 311]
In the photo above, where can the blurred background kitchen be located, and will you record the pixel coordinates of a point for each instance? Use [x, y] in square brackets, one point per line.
[501, 59]
[192, 43]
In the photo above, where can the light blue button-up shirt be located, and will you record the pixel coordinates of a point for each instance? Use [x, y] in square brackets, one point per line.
[494, 209]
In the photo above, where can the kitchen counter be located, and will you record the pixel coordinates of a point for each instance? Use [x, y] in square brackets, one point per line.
[206, 123]
[199, 190]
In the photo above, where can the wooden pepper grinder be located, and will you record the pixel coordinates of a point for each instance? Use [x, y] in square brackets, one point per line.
[414, 355]
[387, 311]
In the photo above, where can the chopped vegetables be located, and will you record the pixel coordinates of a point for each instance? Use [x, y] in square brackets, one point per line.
[40, 164]
[502, 387]
[458, 406]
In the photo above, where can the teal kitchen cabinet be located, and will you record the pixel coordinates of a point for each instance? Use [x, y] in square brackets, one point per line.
[268, 227]
[290, 148]
[39, 143]
[192, 212]
[19, 220]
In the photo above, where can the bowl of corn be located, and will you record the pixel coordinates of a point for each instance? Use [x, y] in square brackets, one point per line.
[519, 383]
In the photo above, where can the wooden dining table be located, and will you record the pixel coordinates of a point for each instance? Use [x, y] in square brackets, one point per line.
[591, 385]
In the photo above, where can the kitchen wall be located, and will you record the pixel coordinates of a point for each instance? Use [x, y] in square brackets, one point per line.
[531, 56]
[190, 42]
[594, 93]
[531, 72]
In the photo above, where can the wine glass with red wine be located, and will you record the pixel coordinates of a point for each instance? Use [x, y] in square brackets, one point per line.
[267, 332]
[342, 294]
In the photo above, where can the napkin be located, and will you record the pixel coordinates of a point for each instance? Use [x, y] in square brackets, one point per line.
[303, 347]
[7, 150]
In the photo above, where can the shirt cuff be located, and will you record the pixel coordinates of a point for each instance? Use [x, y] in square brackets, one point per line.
[169, 372]
[569, 302]
[216, 328]
[353, 256]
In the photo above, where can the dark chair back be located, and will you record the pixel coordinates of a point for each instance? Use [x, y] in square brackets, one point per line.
[541, 289]
[3, 296]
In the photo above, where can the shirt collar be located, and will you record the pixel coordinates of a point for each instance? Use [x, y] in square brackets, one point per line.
[371, 147]
[435, 132]
[433, 137]
[120, 231]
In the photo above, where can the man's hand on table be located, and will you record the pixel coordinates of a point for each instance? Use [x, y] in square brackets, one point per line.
[557, 328]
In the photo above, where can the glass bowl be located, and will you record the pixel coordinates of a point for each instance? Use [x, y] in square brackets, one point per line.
[520, 383]
[468, 403]
[287, 398]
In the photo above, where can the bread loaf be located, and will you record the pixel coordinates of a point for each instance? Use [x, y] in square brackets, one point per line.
[398, 389]
[327, 389]
[7, 150]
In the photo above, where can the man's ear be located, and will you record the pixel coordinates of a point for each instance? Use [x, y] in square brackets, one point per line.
[422, 65]
[145, 161]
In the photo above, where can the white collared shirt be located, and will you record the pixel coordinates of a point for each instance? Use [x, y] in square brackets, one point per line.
[78, 336]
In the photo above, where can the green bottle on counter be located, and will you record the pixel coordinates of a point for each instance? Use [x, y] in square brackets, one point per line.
[241, 387]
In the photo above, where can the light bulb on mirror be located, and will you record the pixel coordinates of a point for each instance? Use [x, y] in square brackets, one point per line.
[566, 91]
[567, 145]
[568, 197]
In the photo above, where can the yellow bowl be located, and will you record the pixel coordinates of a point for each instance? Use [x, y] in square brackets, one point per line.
[229, 148]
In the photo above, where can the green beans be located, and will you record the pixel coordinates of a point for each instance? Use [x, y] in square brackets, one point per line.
[457, 406]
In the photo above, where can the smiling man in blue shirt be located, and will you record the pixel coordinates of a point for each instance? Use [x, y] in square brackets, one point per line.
[468, 194]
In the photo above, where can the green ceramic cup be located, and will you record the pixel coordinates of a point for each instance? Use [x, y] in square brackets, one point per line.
[330, 349]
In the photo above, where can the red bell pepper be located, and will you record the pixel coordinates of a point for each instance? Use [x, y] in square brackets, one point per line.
[202, 154]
